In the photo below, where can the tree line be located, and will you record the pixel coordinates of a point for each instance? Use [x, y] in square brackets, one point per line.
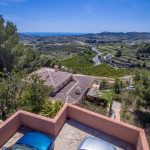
[15, 55]
[16, 61]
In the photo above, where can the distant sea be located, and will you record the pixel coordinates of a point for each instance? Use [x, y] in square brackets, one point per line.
[42, 34]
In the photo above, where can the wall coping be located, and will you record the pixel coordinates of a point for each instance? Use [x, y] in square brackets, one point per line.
[57, 122]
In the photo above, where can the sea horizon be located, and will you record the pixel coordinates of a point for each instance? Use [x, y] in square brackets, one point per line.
[42, 34]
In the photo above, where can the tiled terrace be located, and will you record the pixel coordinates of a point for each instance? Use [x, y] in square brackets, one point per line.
[74, 132]
[71, 135]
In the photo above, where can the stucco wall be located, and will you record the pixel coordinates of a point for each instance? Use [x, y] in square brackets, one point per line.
[120, 130]
[60, 119]
[37, 122]
[117, 129]
[9, 127]
[142, 141]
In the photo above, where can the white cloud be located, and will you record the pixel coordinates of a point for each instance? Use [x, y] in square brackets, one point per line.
[8, 2]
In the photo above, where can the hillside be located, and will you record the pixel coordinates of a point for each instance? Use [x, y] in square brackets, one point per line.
[129, 44]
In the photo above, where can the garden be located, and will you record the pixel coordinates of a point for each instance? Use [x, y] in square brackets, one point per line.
[29, 96]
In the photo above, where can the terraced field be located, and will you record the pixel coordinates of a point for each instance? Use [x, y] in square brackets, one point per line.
[83, 65]
[128, 53]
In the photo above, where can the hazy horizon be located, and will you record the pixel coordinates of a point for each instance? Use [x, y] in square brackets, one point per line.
[83, 32]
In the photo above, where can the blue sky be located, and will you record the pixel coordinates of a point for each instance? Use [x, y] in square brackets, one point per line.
[78, 15]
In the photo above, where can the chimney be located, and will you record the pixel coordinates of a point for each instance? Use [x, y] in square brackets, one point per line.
[56, 68]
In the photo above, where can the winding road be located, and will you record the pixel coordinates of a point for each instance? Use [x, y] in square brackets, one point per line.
[96, 59]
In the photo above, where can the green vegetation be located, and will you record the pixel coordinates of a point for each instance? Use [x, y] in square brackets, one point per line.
[136, 104]
[138, 55]
[118, 53]
[143, 54]
[142, 84]
[83, 64]
[94, 107]
[14, 55]
[108, 96]
[79, 62]
[61, 51]
[145, 50]
[10, 93]
[118, 85]
[104, 85]
[16, 60]
[18, 94]
[112, 48]
[8, 39]
[50, 109]
[34, 95]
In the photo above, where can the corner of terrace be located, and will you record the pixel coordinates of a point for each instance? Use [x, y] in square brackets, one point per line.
[70, 126]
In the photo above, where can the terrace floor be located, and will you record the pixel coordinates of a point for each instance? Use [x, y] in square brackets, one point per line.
[23, 130]
[74, 132]
[71, 135]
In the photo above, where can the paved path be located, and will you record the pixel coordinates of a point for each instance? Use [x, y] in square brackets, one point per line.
[116, 107]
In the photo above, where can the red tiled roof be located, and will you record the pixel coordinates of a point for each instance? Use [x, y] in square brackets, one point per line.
[52, 77]
[70, 90]
[73, 91]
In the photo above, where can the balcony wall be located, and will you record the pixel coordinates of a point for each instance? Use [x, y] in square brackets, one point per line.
[141, 143]
[9, 127]
[123, 131]
[117, 129]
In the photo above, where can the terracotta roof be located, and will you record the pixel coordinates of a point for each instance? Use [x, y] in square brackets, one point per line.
[51, 77]
[73, 91]
[69, 92]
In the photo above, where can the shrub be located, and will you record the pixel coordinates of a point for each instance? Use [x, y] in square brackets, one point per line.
[35, 94]
[51, 109]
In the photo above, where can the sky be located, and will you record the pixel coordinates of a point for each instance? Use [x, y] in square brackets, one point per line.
[82, 16]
